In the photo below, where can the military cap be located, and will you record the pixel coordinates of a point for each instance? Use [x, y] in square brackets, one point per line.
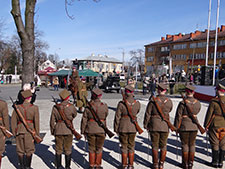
[190, 87]
[64, 94]
[26, 94]
[222, 83]
[162, 86]
[97, 91]
[129, 87]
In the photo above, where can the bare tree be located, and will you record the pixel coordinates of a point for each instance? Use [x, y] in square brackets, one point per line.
[26, 31]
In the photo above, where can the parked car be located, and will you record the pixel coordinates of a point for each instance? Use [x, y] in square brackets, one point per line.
[111, 83]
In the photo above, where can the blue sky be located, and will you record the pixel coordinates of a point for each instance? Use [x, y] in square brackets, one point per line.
[107, 26]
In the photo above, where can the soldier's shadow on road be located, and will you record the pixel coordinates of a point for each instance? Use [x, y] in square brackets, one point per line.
[42, 151]
[10, 151]
[79, 158]
[148, 150]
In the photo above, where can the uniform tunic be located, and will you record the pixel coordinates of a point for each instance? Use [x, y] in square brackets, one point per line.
[24, 140]
[215, 120]
[124, 126]
[63, 135]
[4, 121]
[95, 133]
[186, 127]
[154, 123]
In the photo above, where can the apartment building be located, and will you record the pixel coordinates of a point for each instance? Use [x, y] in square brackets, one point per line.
[184, 51]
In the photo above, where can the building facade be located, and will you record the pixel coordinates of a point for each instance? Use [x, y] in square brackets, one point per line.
[101, 64]
[184, 52]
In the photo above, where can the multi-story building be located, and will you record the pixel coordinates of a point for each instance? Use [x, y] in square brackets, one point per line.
[177, 51]
[101, 64]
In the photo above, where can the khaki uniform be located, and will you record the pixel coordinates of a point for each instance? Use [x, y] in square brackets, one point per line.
[215, 120]
[81, 94]
[95, 133]
[24, 140]
[62, 133]
[4, 121]
[124, 126]
[153, 122]
[186, 127]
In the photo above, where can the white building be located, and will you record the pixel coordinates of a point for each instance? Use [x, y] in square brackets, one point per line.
[47, 64]
[101, 64]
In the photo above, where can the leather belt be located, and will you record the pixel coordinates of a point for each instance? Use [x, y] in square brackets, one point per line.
[219, 115]
[28, 121]
[60, 121]
[94, 120]
[126, 116]
[188, 116]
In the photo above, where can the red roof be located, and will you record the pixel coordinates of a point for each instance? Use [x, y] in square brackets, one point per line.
[197, 35]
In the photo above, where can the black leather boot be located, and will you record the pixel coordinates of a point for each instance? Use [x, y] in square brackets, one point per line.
[21, 162]
[58, 159]
[28, 161]
[215, 158]
[221, 158]
[68, 161]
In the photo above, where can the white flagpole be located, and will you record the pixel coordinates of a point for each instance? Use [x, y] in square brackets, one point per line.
[215, 50]
[208, 30]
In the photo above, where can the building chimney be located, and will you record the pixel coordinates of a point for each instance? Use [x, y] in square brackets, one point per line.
[218, 30]
[192, 35]
[162, 38]
[197, 33]
[180, 35]
[222, 28]
[168, 36]
[175, 37]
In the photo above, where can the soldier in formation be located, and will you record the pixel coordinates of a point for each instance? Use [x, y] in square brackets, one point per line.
[63, 135]
[24, 140]
[215, 125]
[4, 122]
[94, 133]
[156, 126]
[125, 128]
[186, 127]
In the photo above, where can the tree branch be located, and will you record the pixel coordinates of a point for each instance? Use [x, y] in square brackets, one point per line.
[16, 13]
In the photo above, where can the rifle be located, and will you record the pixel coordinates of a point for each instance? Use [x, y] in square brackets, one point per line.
[6, 132]
[97, 119]
[37, 138]
[130, 114]
[68, 123]
[177, 146]
[172, 127]
[194, 119]
[207, 146]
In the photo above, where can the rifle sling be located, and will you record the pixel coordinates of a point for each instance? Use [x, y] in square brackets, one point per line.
[129, 113]
[160, 113]
[61, 113]
[222, 107]
[25, 121]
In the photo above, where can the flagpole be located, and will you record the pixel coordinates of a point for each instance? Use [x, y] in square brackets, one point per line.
[208, 31]
[215, 50]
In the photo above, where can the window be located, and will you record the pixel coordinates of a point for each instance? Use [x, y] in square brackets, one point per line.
[212, 43]
[201, 44]
[151, 49]
[179, 57]
[150, 59]
[179, 46]
[193, 45]
[164, 49]
[221, 42]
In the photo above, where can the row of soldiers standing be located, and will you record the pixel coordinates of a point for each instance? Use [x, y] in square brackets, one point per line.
[123, 126]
